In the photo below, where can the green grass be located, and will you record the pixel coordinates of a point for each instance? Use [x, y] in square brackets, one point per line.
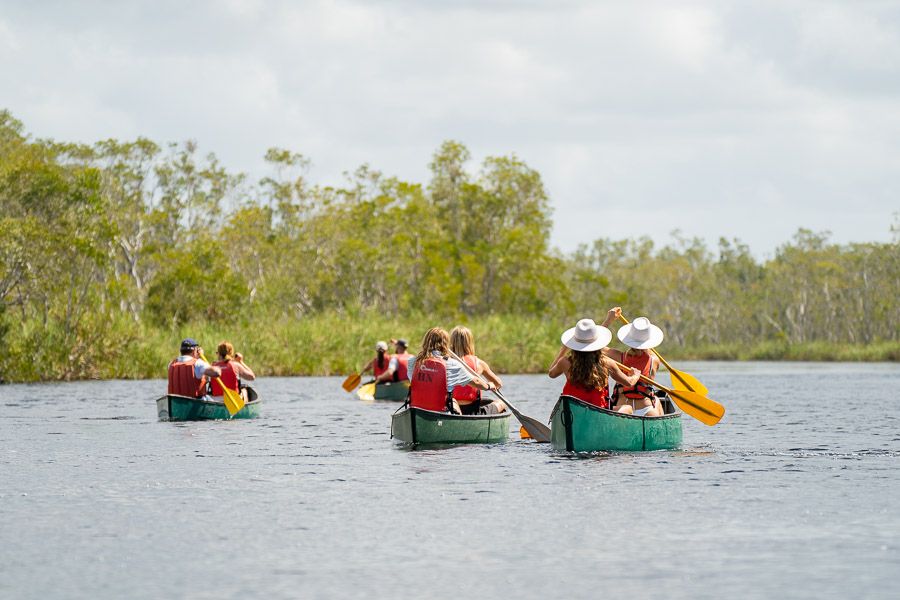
[339, 344]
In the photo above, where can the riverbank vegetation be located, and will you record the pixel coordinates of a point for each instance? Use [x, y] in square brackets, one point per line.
[110, 253]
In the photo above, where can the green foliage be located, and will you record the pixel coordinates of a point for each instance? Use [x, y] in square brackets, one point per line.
[110, 253]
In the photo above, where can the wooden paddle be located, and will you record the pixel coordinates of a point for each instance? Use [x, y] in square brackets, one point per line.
[537, 430]
[351, 382]
[680, 379]
[705, 410]
[234, 402]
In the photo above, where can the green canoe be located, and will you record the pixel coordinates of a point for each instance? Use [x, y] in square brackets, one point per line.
[420, 426]
[581, 427]
[183, 408]
[392, 391]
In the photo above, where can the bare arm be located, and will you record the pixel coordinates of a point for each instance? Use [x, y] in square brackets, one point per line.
[621, 375]
[488, 374]
[560, 364]
[368, 367]
[614, 354]
[243, 371]
[386, 376]
[654, 366]
[611, 315]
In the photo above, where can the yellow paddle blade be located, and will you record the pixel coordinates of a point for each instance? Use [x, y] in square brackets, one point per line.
[351, 382]
[687, 382]
[366, 392]
[704, 409]
[234, 402]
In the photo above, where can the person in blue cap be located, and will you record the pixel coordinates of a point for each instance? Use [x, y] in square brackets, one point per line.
[188, 374]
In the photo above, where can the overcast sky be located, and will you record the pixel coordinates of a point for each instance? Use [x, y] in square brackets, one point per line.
[734, 119]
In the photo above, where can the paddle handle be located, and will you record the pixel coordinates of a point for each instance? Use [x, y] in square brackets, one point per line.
[672, 371]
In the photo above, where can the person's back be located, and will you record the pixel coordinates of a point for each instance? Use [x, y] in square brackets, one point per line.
[428, 386]
[435, 375]
[182, 381]
[587, 371]
[401, 361]
[468, 399]
[188, 374]
[233, 370]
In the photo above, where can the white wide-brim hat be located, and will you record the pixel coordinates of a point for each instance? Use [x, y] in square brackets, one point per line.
[586, 336]
[641, 334]
[380, 345]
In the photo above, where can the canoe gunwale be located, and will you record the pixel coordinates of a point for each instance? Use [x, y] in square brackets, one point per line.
[608, 411]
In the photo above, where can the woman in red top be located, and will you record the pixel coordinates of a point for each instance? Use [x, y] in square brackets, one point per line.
[586, 369]
[380, 363]
[640, 336]
[233, 370]
[467, 399]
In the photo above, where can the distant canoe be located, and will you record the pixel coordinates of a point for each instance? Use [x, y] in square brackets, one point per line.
[419, 426]
[581, 427]
[393, 391]
[183, 408]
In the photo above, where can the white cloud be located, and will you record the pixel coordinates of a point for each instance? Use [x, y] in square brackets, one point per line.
[743, 120]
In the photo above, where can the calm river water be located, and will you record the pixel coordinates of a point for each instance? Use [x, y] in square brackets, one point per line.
[796, 493]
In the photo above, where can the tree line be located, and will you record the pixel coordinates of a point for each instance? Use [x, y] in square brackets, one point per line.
[115, 242]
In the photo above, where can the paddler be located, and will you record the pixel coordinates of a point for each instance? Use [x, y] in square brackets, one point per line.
[398, 369]
[234, 370]
[467, 399]
[640, 336]
[188, 374]
[586, 369]
[435, 375]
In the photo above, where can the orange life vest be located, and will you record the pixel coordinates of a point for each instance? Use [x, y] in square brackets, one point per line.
[428, 387]
[386, 361]
[466, 394]
[401, 373]
[643, 363]
[228, 377]
[597, 397]
[182, 381]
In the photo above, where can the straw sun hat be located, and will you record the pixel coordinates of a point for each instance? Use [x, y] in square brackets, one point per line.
[586, 336]
[641, 334]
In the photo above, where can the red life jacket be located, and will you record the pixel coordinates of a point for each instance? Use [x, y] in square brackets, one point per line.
[428, 388]
[401, 373]
[466, 394]
[228, 377]
[376, 370]
[643, 363]
[597, 397]
[182, 381]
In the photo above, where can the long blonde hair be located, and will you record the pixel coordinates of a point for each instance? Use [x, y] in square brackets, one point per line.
[435, 338]
[461, 341]
[587, 369]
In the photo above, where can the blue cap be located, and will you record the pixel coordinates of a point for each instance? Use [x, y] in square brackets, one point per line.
[188, 343]
[403, 343]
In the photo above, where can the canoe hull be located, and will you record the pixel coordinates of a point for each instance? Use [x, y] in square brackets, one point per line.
[392, 391]
[418, 426]
[580, 427]
[182, 408]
